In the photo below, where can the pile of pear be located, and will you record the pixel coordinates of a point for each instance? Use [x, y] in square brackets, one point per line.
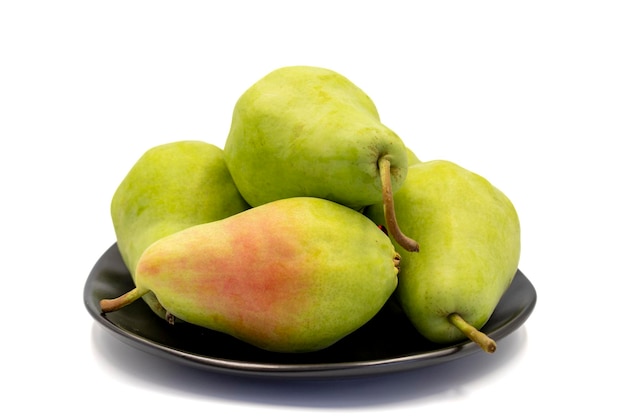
[312, 216]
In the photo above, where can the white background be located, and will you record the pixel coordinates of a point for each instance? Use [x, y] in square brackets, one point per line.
[531, 94]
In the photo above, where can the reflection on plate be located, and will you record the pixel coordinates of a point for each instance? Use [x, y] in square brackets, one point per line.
[388, 343]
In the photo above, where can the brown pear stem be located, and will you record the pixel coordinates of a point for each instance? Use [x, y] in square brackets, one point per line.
[384, 166]
[113, 304]
[481, 339]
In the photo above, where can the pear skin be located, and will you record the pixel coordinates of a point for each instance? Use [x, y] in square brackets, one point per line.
[469, 250]
[169, 188]
[294, 275]
[412, 157]
[309, 131]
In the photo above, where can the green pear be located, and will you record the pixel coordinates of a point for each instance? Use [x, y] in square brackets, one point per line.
[293, 275]
[412, 157]
[470, 248]
[169, 188]
[309, 131]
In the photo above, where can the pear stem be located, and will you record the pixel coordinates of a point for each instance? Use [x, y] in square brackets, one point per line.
[113, 304]
[384, 166]
[481, 339]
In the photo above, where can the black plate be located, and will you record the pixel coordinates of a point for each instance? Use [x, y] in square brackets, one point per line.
[387, 343]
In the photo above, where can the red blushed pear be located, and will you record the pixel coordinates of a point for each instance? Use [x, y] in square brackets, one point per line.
[293, 275]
